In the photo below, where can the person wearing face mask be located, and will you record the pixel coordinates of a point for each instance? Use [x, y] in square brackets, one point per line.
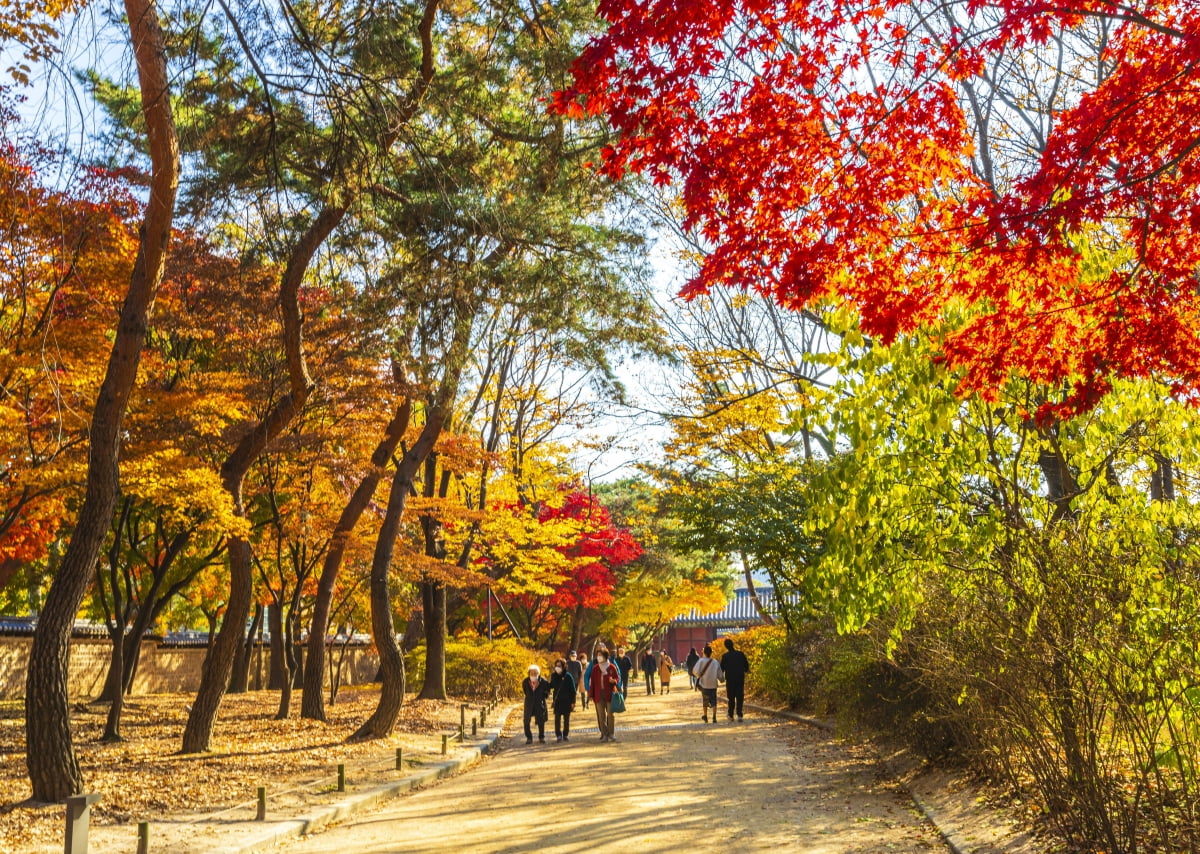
[562, 684]
[602, 680]
[536, 690]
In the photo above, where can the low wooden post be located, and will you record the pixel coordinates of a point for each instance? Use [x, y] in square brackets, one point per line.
[445, 741]
[474, 729]
[262, 804]
[79, 816]
[143, 837]
[341, 777]
[483, 715]
[399, 759]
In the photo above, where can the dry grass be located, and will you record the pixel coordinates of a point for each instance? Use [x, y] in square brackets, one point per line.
[145, 778]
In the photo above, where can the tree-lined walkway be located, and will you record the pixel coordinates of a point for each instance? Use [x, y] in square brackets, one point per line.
[669, 784]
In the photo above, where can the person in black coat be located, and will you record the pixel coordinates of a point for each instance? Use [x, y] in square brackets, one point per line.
[625, 665]
[692, 658]
[736, 666]
[649, 667]
[562, 684]
[536, 690]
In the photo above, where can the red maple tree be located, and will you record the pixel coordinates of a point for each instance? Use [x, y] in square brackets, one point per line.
[1020, 175]
[591, 583]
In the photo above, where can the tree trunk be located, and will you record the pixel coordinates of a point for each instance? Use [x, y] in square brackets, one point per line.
[112, 726]
[391, 660]
[433, 598]
[50, 757]
[414, 629]
[239, 680]
[214, 680]
[311, 701]
[276, 669]
[577, 627]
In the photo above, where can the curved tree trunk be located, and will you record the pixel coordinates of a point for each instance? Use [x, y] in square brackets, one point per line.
[312, 703]
[197, 735]
[391, 670]
[50, 756]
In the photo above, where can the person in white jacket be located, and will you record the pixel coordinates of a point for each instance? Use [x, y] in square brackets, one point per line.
[708, 676]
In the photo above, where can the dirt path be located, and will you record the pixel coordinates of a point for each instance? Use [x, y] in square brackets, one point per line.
[669, 784]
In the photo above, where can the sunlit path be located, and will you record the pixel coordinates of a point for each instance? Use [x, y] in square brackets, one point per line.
[669, 784]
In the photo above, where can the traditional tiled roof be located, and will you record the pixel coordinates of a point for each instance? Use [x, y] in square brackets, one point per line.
[739, 612]
[26, 625]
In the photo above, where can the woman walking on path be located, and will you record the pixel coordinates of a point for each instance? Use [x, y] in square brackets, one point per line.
[649, 666]
[603, 679]
[708, 676]
[536, 688]
[692, 658]
[562, 683]
[664, 673]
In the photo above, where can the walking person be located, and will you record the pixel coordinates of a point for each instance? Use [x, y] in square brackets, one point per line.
[562, 685]
[735, 665]
[536, 689]
[692, 658]
[575, 668]
[664, 672]
[603, 679]
[708, 677]
[583, 667]
[625, 665]
[649, 668]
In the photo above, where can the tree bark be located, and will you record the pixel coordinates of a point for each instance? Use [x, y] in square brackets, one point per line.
[50, 757]
[214, 680]
[239, 681]
[433, 599]
[312, 704]
[391, 660]
[276, 667]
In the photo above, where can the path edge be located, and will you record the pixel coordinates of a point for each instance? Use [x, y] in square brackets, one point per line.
[322, 817]
[932, 814]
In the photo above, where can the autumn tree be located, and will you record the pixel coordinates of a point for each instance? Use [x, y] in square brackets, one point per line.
[938, 165]
[53, 768]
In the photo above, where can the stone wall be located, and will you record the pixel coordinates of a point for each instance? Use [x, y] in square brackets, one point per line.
[161, 669]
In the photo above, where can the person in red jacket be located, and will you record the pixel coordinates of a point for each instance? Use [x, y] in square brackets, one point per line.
[602, 680]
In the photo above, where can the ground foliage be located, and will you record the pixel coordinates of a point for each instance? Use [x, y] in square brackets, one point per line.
[145, 777]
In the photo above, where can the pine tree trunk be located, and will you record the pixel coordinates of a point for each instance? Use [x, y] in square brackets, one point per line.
[311, 701]
[214, 680]
[50, 757]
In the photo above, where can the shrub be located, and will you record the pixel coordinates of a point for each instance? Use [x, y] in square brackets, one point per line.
[773, 661]
[475, 666]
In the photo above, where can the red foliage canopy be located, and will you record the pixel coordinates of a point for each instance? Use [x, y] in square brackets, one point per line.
[592, 582]
[1021, 175]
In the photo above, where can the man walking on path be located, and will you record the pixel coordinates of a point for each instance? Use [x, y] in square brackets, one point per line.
[708, 677]
[649, 666]
[691, 660]
[625, 665]
[736, 666]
